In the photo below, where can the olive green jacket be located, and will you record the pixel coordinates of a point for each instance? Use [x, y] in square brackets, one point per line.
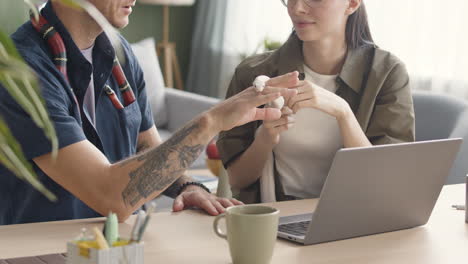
[374, 82]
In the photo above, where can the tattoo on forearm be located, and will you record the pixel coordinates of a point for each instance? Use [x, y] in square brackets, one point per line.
[162, 165]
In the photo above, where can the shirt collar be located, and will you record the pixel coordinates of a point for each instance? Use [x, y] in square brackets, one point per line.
[352, 74]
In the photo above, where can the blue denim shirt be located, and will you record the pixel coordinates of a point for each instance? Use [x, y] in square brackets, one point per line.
[115, 134]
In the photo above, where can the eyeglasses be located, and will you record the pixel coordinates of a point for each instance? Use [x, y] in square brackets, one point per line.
[310, 3]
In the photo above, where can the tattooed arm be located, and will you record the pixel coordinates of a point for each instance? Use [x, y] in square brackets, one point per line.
[150, 139]
[123, 187]
[163, 165]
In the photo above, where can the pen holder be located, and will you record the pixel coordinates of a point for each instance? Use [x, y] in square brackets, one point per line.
[128, 254]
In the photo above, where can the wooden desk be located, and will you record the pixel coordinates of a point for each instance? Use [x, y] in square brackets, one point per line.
[187, 237]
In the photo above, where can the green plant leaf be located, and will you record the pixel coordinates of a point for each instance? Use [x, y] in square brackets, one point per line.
[22, 86]
[8, 47]
[21, 83]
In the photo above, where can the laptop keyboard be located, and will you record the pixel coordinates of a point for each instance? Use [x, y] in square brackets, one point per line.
[297, 229]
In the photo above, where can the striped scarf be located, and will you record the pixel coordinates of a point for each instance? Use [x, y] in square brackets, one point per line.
[59, 52]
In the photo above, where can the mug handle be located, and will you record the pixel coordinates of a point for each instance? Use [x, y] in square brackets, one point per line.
[216, 227]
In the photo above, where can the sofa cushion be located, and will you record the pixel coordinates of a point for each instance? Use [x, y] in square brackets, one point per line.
[145, 51]
[436, 114]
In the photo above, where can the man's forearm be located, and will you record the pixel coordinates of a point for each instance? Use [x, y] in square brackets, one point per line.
[151, 139]
[155, 170]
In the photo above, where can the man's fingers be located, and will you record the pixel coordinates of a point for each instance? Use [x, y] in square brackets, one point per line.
[267, 114]
[236, 202]
[263, 99]
[178, 204]
[287, 80]
[219, 207]
[209, 207]
[285, 92]
[225, 202]
[209, 203]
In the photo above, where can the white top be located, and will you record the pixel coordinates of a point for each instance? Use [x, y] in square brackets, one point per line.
[89, 100]
[305, 152]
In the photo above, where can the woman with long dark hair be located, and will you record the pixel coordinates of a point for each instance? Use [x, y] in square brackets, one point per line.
[350, 94]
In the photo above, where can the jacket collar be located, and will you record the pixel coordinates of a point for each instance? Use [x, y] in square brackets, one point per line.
[352, 74]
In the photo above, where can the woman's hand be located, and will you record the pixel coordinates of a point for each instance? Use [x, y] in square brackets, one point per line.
[310, 95]
[270, 131]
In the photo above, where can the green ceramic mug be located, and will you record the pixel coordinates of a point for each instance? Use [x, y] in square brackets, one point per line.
[251, 232]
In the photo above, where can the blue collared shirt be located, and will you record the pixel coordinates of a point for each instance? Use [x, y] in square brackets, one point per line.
[115, 134]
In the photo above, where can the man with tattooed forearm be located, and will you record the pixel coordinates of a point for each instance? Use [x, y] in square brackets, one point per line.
[110, 156]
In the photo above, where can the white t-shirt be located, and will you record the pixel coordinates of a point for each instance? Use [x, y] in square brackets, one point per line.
[305, 152]
[89, 101]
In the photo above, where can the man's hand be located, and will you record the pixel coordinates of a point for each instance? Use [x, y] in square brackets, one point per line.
[194, 196]
[242, 107]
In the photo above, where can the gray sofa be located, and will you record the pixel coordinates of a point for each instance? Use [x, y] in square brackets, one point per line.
[440, 116]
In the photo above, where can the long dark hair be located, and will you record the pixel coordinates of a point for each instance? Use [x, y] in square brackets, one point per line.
[357, 29]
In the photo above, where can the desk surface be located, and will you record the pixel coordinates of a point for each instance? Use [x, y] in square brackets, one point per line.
[187, 237]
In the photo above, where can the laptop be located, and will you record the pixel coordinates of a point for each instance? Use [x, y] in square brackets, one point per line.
[374, 190]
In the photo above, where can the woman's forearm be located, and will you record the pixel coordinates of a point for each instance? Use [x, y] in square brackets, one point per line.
[351, 131]
[248, 167]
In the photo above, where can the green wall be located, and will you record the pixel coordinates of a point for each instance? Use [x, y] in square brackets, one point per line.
[13, 13]
[146, 21]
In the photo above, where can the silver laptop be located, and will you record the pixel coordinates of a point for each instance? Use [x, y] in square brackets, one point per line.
[374, 190]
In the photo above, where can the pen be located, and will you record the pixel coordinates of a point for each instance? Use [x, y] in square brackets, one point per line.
[147, 218]
[136, 226]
